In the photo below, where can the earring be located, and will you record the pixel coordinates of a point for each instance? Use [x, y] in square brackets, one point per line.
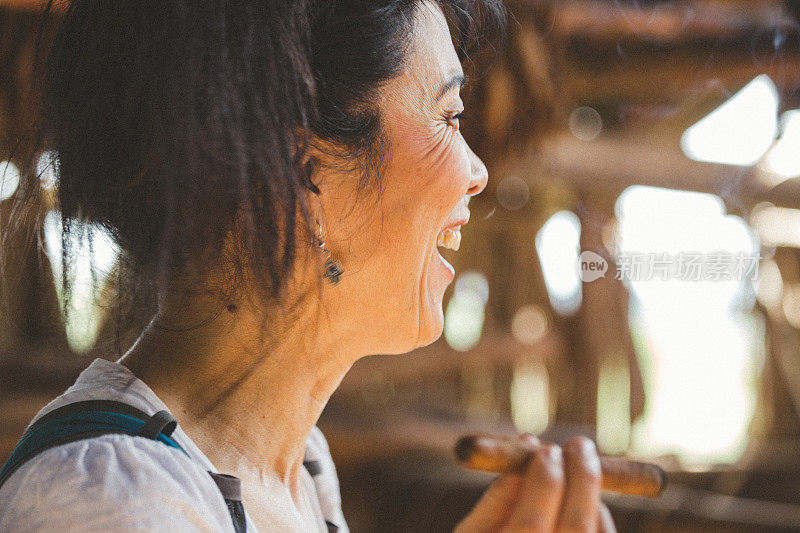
[333, 267]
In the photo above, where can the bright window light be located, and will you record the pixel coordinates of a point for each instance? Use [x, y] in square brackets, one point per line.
[614, 405]
[557, 244]
[9, 179]
[699, 347]
[463, 319]
[777, 226]
[659, 221]
[738, 132]
[530, 397]
[783, 161]
[88, 269]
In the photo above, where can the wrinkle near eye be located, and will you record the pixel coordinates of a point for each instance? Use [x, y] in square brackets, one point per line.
[440, 146]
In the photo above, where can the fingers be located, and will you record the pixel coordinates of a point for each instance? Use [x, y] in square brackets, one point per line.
[558, 491]
[492, 510]
[541, 492]
[494, 507]
[605, 521]
[580, 509]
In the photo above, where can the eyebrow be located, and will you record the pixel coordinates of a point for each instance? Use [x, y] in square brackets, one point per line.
[456, 81]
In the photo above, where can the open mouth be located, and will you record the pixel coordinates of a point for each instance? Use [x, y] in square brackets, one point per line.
[449, 238]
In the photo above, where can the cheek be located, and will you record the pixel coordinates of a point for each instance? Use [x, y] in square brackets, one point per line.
[427, 177]
[456, 165]
[442, 175]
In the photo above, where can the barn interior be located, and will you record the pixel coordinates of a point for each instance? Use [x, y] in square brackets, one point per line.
[631, 273]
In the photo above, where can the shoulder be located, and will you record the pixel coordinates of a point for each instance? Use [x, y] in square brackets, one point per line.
[112, 483]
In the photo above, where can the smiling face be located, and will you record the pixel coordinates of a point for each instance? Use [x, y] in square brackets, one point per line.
[391, 293]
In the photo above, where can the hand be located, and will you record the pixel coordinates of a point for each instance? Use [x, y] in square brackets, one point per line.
[557, 492]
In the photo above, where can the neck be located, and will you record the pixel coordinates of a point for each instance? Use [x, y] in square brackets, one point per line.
[248, 403]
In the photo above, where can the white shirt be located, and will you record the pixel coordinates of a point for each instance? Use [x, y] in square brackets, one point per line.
[116, 483]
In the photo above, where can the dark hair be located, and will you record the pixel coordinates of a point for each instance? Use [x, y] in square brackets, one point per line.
[173, 121]
[357, 45]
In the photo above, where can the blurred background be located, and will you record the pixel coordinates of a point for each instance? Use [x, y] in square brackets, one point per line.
[631, 273]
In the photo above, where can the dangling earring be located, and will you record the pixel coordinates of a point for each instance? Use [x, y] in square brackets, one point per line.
[333, 268]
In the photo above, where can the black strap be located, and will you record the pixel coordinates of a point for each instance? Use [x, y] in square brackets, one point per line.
[231, 489]
[66, 424]
[314, 467]
[229, 486]
[236, 510]
[161, 423]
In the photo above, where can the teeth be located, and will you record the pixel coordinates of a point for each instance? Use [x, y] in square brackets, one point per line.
[450, 238]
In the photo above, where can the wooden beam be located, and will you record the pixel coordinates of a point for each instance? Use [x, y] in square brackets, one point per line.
[611, 163]
[610, 22]
[672, 78]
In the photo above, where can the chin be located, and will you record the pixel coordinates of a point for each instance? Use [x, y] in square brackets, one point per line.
[425, 341]
[431, 328]
[428, 326]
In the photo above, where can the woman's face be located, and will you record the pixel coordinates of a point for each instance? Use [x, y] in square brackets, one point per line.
[390, 295]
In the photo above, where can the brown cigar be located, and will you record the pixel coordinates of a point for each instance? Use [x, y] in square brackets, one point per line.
[504, 454]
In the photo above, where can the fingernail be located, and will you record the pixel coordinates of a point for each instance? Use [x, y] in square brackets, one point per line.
[555, 455]
[586, 449]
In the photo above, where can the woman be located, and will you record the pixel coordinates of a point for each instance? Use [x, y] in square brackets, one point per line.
[280, 178]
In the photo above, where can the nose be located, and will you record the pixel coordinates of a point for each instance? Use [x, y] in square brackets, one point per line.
[478, 174]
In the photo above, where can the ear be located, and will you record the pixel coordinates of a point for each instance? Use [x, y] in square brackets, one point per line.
[323, 164]
[305, 159]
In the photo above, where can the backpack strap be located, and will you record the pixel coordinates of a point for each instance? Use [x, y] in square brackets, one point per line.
[231, 489]
[79, 421]
[161, 422]
[93, 418]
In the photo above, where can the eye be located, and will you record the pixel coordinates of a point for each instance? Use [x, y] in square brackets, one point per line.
[455, 120]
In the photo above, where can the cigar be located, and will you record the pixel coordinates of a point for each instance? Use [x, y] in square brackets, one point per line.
[505, 454]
